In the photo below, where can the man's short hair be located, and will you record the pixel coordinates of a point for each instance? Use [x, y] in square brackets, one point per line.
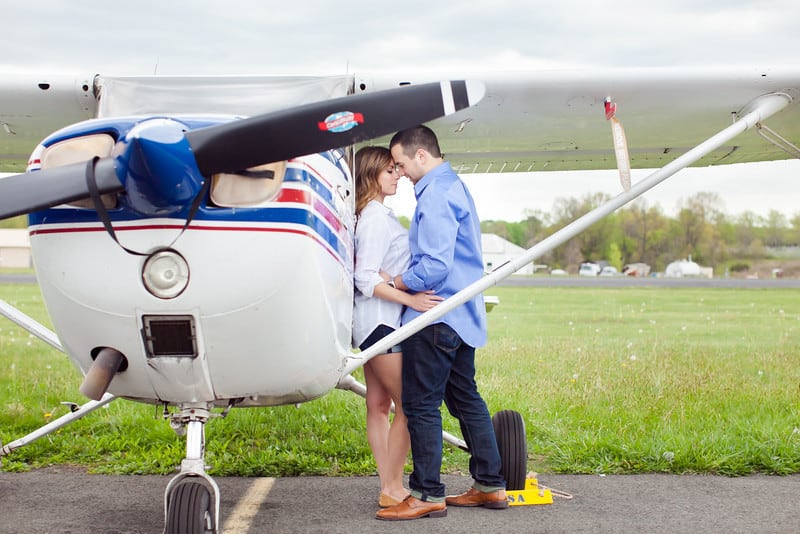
[415, 138]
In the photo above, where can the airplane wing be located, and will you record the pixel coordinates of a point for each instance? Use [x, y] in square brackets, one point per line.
[531, 121]
[32, 107]
[555, 120]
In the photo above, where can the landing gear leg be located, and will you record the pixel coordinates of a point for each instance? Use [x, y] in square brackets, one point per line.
[191, 500]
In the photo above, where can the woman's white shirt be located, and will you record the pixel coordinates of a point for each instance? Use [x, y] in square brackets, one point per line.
[381, 244]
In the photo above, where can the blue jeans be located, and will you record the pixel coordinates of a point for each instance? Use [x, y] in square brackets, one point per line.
[438, 366]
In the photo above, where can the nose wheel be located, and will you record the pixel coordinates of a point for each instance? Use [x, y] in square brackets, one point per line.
[189, 508]
[191, 500]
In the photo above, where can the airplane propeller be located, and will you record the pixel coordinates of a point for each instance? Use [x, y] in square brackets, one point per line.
[250, 142]
[33, 191]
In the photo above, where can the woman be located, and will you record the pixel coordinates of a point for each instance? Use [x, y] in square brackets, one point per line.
[381, 251]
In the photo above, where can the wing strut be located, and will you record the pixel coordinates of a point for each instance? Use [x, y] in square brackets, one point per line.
[30, 324]
[760, 110]
[56, 424]
[778, 140]
[48, 336]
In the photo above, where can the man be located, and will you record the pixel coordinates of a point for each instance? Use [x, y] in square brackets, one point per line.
[439, 361]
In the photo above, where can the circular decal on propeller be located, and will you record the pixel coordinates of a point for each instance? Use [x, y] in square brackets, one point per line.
[341, 121]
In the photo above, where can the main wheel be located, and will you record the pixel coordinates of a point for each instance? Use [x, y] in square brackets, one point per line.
[189, 509]
[509, 428]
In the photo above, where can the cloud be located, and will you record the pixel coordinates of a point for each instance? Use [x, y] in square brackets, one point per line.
[247, 36]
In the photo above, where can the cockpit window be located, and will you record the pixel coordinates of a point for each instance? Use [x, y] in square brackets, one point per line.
[77, 150]
[248, 188]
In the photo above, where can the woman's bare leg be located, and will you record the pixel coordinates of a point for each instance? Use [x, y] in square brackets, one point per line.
[385, 370]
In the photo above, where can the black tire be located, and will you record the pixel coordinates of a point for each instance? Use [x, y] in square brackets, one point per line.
[189, 509]
[509, 429]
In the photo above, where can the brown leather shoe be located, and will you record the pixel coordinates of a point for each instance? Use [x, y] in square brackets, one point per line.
[412, 508]
[493, 499]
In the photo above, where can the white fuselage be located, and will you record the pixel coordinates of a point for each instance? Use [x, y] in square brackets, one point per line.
[269, 300]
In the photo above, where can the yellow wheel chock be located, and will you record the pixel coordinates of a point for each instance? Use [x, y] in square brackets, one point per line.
[533, 494]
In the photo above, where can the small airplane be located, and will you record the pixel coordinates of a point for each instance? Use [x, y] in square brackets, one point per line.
[193, 236]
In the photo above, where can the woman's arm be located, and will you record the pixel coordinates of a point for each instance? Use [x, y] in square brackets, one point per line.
[422, 301]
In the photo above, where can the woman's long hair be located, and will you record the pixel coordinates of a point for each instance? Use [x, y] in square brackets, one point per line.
[370, 162]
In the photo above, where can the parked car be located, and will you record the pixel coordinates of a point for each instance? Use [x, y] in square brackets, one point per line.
[609, 270]
[636, 269]
[589, 269]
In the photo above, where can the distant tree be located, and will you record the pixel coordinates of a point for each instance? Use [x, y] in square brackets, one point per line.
[614, 256]
[793, 235]
[755, 249]
[595, 239]
[695, 220]
[644, 233]
[775, 229]
[571, 255]
[534, 228]
[516, 233]
[495, 227]
[746, 230]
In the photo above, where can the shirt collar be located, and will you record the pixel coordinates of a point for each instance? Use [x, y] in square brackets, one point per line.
[440, 169]
[380, 204]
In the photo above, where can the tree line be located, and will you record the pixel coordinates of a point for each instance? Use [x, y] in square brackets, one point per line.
[640, 232]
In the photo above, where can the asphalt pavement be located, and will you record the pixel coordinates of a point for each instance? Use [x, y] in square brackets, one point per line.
[68, 500]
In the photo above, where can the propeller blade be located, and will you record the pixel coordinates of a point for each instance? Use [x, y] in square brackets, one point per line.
[247, 143]
[325, 125]
[38, 190]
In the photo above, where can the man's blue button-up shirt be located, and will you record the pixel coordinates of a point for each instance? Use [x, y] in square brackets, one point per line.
[446, 256]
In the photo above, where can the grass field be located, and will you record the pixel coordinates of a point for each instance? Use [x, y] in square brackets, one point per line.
[607, 380]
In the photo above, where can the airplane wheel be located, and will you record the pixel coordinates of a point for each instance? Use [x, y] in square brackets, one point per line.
[189, 509]
[509, 428]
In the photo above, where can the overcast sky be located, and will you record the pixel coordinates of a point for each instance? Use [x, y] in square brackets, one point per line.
[323, 37]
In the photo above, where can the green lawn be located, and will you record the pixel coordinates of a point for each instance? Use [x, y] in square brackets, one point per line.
[607, 380]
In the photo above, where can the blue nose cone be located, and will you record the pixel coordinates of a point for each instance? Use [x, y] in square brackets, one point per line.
[162, 176]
